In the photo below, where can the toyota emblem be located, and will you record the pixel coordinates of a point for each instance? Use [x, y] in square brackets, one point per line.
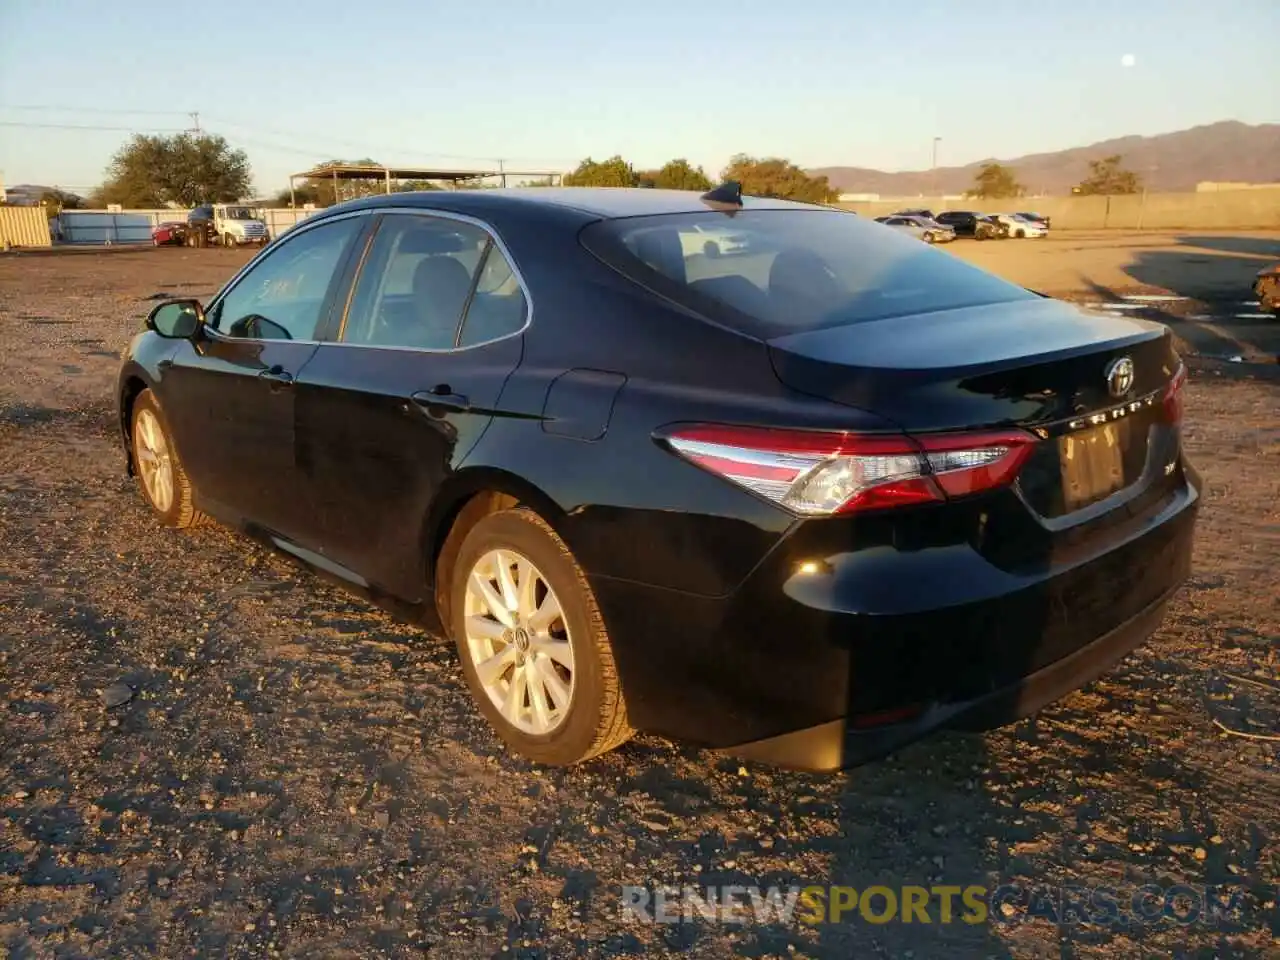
[1120, 376]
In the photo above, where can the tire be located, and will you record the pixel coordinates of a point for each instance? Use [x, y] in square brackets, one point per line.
[228, 241]
[1267, 290]
[928, 237]
[594, 718]
[147, 428]
[1021, 234]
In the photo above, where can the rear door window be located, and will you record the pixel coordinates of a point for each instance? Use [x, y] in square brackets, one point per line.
[794, 270]
[415, 283]
[498, 307]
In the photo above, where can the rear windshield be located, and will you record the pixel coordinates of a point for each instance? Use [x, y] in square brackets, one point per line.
[769, 273]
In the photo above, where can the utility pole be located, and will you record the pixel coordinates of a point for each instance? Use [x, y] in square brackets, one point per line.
[195, 122]
[500, 170]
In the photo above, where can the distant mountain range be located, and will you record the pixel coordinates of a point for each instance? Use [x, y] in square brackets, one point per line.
[1225, 151]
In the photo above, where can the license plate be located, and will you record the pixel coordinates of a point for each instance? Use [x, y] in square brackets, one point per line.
[1092, 464]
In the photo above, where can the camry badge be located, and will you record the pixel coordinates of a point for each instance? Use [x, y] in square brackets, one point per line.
[1120, 376]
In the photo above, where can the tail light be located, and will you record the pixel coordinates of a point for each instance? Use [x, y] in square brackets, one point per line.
[817, 474]
[1173, 395]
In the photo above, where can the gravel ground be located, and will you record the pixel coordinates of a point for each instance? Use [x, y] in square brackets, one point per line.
[297, 774]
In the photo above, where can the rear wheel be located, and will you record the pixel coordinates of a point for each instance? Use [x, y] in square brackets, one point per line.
[1021, 234]
[533, 644]
[156, 464]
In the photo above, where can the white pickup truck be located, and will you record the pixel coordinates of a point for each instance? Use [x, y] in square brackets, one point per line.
[225, 224]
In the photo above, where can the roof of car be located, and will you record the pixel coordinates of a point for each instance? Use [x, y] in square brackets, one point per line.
[606, 202]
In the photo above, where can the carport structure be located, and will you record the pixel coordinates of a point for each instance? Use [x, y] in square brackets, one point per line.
[389, 174]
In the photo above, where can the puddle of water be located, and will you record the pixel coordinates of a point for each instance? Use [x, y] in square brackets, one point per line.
[1154, 297]
[1117, 306]
[1252, 316]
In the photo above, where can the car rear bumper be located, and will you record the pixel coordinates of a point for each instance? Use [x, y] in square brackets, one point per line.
[848, 641]
[837, 744]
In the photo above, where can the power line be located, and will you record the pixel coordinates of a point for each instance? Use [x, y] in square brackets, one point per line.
[197, 128]
[86, 126]
[366, 145]
[104, 110]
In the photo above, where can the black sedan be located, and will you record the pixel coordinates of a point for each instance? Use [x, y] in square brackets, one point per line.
[805, 503]
[967, 223]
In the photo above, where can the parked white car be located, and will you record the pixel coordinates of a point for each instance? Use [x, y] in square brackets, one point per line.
[922, 228]
[1019, 226]
[712, 241]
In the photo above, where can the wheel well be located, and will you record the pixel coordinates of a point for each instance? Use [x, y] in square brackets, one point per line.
[487, 494]
[132, 388]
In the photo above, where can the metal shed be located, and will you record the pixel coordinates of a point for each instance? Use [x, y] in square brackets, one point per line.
[387, 174]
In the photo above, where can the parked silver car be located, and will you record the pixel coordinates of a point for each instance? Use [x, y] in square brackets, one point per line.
[930, 231]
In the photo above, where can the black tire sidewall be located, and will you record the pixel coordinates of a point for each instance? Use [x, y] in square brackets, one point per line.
[518, 530]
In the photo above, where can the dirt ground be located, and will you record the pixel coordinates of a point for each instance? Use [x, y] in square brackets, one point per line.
[299, 775]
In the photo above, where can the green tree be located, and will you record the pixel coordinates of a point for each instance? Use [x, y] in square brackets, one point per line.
[614, 172]
[410, 186]
[186, 168]
[995, 181]
[676, 174]
[1107, 177]
[776, 177]
[55, 201]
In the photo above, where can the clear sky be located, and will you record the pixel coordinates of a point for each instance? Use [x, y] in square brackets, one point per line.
[545, 83]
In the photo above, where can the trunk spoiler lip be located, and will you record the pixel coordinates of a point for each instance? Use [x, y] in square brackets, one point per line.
[1094, 333]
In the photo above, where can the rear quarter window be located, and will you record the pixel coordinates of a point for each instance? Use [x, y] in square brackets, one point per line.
[770, 273]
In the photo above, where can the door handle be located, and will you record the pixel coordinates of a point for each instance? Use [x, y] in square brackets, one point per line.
[277, 373]
[440, 398]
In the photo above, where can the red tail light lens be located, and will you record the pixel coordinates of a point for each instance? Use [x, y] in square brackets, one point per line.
[1173, 395]
[817, 474]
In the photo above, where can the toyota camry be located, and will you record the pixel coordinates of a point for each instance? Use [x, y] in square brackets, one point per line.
[804, 504]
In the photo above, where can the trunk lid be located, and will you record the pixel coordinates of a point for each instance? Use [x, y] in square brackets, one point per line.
[1044, 365]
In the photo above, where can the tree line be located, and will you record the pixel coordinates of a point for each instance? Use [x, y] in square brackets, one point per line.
[759, 177]
[187, 169]
[1107, 177]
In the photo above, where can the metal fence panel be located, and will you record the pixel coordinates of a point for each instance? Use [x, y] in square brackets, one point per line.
[24, 227]
[134, 226]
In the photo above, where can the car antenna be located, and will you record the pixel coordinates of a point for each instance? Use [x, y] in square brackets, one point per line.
[728, 194]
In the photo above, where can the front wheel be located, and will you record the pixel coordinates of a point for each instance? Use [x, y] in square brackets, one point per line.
[1267, 290]
[928, 237]
[156, 464]
[1021, 234]
[534, 647]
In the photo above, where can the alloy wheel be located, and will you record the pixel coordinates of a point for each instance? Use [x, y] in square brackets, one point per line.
[519, 642]
[151, 450]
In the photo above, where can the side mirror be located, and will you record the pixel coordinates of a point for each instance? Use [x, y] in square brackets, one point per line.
[177, 319]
